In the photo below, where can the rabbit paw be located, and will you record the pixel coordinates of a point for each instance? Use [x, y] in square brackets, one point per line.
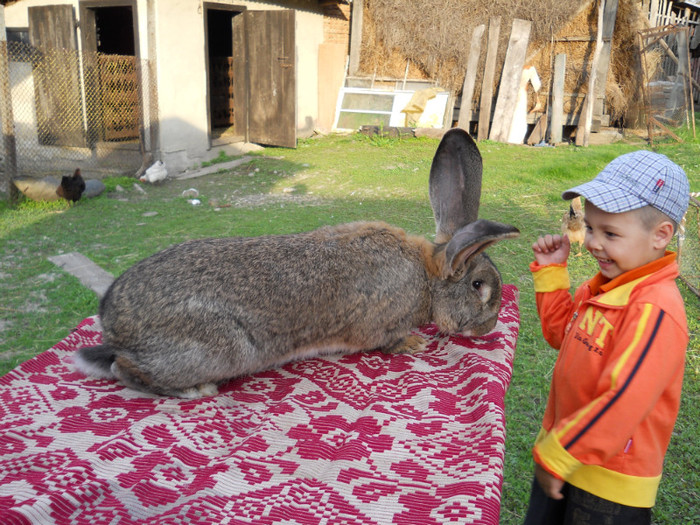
[198, 391]
[411, 344]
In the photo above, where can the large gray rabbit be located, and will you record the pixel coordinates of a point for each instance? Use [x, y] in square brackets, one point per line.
[194, 315]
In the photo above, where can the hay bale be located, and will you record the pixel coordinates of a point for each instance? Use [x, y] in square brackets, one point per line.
[433, 37]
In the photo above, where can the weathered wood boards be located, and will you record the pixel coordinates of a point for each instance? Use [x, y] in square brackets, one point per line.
[557, 108]
[510, 80]
[609, 17]
[487, 83]
[465, 110]
[583, 131]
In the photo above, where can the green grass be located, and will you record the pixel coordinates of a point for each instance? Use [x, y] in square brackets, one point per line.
[326, 181]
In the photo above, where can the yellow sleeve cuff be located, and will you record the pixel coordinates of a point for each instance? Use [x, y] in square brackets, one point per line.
[554, 457]
[550, 278]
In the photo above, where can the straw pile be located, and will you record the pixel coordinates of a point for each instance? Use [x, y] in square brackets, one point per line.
[433, 38]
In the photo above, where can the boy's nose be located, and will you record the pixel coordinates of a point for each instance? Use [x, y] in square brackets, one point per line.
[591, 242]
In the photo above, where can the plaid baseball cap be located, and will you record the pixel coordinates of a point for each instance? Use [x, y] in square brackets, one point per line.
[635, 180]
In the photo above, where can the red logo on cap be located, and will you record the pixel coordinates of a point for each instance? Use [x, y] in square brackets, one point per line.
[659, 185]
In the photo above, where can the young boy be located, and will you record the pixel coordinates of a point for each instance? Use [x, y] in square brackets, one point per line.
[616, 384]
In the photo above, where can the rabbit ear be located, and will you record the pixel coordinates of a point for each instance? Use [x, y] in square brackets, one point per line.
[472, 239]
[455, 183]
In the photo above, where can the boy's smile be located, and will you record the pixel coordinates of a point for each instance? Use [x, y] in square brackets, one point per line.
[620, 241]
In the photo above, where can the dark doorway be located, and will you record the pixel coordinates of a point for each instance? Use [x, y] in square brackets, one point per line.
[114, 28]
[220, 77]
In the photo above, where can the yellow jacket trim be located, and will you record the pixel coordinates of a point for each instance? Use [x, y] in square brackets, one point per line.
[551, 278]
[641, 326]
[633, 491]
[619, 296]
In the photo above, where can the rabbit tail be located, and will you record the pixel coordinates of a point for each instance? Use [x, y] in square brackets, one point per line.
[96, 361]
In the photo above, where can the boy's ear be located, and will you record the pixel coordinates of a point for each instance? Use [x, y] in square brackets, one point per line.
[663, 234]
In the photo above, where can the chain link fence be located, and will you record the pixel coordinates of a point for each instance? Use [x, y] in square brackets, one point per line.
[64, 109]
[667, 83]
[689, 245]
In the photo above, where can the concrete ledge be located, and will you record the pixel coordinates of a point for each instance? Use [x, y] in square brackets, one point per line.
[89, 274]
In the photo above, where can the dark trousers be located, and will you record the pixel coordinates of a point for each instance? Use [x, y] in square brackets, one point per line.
[581, 508]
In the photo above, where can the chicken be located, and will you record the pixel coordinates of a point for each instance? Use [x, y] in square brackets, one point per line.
[156, 173]
[71, 188]
[572, 224]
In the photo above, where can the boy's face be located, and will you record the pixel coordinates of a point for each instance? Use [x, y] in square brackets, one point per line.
[621, 242]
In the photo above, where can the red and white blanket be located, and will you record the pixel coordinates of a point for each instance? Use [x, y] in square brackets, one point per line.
[361, 439]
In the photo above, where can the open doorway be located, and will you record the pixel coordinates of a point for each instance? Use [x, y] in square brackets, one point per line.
[220, 79]
[112, 70]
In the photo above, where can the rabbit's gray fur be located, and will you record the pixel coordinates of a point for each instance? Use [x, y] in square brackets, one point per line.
[196, 314]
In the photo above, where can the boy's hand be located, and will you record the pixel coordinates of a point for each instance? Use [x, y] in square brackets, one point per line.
[551, 249]
[550, 485]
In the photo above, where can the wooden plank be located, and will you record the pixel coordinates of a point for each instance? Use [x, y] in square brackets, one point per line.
[557, 109]
[609, 17]
[510, 80]
[654, 13]
[56, 76]
[355, 36]
[487, 82]
[583, 131]
[465, 109]
[8, 128]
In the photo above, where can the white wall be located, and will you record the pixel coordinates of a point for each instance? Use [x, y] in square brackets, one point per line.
[178, 29]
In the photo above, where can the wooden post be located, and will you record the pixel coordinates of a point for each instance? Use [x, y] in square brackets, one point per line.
[487, 83]
[557, 111]
[654, 13]
[510, 80]
[609, 17]
[583, 132]
[465, 108]
[8, 124]
[690, 84]
[355, 36]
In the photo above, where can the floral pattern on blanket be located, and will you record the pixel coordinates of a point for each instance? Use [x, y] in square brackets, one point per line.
[366, 438]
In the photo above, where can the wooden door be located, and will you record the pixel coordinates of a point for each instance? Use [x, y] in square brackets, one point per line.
[58, 96]
[265, 77]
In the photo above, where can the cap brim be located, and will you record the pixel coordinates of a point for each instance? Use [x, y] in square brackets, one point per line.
[605, 197]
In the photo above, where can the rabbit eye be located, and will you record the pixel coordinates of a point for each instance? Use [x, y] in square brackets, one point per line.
[477, 284]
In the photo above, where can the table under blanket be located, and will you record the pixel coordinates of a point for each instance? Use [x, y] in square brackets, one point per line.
[366, 438]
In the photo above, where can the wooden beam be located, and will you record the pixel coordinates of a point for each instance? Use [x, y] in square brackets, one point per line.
[355, 36]
[557, 111]
[583, 132]
[609, 17]
[487, 82]
[510, 80]
[465, 108]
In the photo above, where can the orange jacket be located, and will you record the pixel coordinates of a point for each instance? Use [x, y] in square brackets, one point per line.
[617, 380]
